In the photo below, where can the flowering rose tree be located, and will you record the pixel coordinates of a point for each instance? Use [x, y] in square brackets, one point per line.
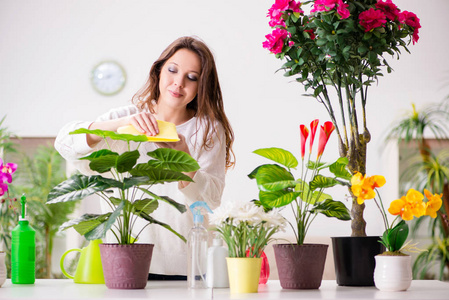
[338, 51]
[279, 188]
[246, 228]
[405, 209]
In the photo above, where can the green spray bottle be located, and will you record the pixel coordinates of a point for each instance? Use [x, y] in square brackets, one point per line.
[23, 250]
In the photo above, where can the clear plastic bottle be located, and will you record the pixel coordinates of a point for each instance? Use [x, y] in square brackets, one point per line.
[23, 250]
[197, 248]
[217, 270]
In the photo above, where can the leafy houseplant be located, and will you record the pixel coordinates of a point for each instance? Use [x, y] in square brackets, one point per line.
[167, 165]
[337, 51]
[279, 188]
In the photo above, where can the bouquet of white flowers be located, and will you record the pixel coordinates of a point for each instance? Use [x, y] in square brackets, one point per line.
[246, 228]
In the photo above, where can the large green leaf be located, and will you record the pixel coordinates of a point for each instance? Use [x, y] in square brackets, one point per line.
[173, 160]
[338, 168]
[158, 175]
[277, 199]
[320, 181]
[166, 226]
[99, 231]
[331, 208]
[122, 163]
[85, 223]
[278, 155]
[77, 187]
[147, 206]
[112, 135]
[273, 178]
[180, 207]
[398, 235]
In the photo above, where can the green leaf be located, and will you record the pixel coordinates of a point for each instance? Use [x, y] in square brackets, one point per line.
[273, 178]
[277, 199]
[338, 168]
[145, 205]
[180, 207]
[278, 155]
[85, 223]
[157, 175]
[122, 163]
[398, 235]
[99, 231]
[78, 187]
[320, 181]
[331, 208]
[112, 135]
[174, 160]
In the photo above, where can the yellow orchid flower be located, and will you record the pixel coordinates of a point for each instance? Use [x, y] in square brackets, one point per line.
[363, 187]
[434, 203]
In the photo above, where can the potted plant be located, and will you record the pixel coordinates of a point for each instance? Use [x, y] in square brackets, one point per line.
[337, 51]
[120, 191]
[246, 229]
[393, 270]
[301, 265]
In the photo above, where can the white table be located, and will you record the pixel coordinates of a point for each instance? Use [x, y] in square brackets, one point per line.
[166, 290]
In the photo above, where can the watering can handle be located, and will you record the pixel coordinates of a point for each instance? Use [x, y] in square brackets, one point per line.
[61, 262]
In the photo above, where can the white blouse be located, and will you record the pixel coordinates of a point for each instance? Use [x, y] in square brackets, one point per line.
[170, 252]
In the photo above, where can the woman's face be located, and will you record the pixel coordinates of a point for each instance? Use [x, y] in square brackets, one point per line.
[178, 83]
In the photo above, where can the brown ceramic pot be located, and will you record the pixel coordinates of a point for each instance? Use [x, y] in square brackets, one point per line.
[300, 266]
[126, 266]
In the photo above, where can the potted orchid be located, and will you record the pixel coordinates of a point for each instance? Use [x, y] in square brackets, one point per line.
[337, 51]
[393, 267]
[278, 188]
[246, 229]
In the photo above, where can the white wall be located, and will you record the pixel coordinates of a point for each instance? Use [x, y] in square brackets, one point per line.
[48, 48]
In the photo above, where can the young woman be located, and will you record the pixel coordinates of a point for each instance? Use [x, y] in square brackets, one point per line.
[182, 88]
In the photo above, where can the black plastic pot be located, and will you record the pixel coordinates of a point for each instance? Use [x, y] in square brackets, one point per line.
[354, 259]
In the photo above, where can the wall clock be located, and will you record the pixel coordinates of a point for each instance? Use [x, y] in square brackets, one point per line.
[108, 78]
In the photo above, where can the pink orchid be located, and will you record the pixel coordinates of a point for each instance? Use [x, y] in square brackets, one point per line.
[275, 40]
[3, 188]
[6, 171]
[313, 127]
[372, 18]
[304, 134]
[390, 9]
[325, 133]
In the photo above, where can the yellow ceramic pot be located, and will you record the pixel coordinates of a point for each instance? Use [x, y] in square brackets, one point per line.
[244, 273]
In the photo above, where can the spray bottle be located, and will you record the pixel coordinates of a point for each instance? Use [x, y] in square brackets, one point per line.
[23, 250]
[197, 248]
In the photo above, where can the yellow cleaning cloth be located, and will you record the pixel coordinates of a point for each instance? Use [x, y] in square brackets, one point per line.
[167, 132]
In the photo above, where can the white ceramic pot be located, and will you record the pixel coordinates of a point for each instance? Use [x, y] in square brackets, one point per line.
[393, 273]
[2, 268]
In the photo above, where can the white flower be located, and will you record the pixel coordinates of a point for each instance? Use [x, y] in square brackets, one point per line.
[249, 213]
[274, 218]
[223, 213]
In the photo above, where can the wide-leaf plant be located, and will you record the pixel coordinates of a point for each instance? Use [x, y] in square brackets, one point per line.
[278, 186]
[125, 185]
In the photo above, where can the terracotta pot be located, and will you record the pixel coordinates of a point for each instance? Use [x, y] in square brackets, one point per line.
[354, 259]
[393, 273]
[300, 266]
[126, 266]
[244, 273]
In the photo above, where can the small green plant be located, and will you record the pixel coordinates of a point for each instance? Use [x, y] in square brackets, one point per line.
[121, 189]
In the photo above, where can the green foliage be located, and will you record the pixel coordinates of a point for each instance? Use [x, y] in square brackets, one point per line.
[279, 188]
[128, 177]
[394, 238]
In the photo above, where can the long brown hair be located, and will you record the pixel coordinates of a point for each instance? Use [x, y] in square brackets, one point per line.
[207, 104]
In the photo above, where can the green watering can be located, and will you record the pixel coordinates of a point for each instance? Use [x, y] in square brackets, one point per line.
[89, 268]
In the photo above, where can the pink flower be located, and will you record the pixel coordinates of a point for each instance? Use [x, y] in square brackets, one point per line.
[390, 10]
[276, 10]
[6, 171]
[313, 127]
[372, 18]
[275, 40]
[304, 134]
[3, 188]
[411, 20]
[325, 133]
[328, 5]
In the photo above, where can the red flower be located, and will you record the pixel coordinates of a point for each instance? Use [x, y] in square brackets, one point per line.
[325, 133]
[311, 33]
[313, 126]
[275, 40]
[304, 135]
[411, 20]
[279, 6]
[390, 10]
[371, 18]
